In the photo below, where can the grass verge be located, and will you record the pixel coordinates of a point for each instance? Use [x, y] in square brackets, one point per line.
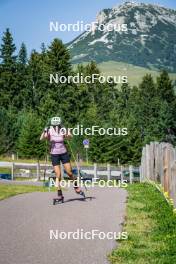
[7, 190]
[151, 227]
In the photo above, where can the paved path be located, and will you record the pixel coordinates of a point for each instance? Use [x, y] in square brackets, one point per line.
[26, 221]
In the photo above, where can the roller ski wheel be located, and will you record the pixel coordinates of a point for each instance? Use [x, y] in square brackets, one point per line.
[58, 200]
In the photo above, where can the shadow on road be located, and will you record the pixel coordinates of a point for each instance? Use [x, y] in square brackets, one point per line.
[88, 198]
[79, 199]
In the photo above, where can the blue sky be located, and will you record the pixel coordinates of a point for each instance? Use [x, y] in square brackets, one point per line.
[29, 20]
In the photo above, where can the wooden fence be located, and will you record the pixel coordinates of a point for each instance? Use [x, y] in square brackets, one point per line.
[158, 164]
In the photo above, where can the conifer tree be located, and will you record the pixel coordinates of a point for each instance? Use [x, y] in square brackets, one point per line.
[59, 58]
[7, 50]
[22, 56]
[8, 87]
[165, 88]
[29, 144]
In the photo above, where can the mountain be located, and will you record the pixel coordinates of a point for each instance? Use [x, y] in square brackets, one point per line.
[149, 41]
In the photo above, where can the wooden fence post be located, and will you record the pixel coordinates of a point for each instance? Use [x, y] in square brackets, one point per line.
[147, 162]
[152, 160]
[143, 164]
[173, 183]
[162, 162]
[158, 163]
[171, 176]
[166, 169]
[157, 176]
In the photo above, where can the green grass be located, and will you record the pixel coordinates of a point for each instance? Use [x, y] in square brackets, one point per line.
[7, 158]
[134, 73]
[151, 227]
[7, 190]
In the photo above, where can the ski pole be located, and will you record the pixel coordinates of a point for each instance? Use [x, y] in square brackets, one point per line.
[75, 162]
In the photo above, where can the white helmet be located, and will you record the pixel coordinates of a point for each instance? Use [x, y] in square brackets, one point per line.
[55, 121]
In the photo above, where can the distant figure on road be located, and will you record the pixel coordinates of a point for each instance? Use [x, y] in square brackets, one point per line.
[56, 135]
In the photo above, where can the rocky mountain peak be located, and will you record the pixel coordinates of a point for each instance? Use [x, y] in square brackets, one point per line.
[149, 40]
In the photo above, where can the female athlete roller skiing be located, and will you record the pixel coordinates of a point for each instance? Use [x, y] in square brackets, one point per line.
[59, 153]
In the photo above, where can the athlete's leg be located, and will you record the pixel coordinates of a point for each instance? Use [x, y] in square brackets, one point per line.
[56, 165]
[68, 169]
[57, 171]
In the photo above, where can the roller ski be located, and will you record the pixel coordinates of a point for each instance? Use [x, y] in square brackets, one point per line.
[59, 199]
[80, 192]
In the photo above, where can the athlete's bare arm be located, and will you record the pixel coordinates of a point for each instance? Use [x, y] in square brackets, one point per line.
[44, 134]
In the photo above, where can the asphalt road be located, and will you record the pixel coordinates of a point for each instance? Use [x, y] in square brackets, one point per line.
[26, 221]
